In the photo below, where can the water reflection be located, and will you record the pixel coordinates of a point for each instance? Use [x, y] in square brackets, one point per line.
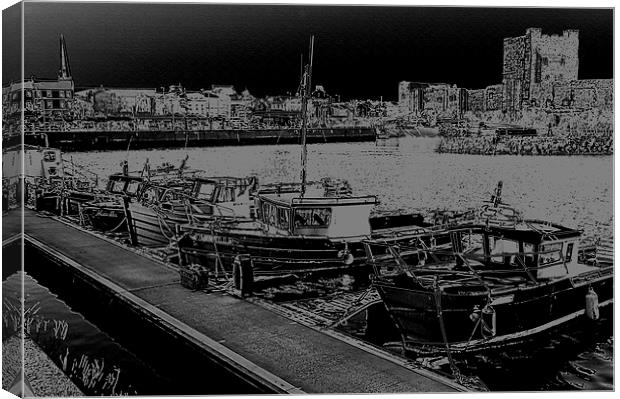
[84, 349]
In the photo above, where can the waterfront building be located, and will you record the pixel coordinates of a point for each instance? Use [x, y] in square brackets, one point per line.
[119, 101]
[432, 100]
[540, 86]
[534, 62]
[476, 100]
[494, 97]
[581, 94]
[43, 98]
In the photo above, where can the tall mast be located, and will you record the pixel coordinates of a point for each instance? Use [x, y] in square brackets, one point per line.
[307, 92]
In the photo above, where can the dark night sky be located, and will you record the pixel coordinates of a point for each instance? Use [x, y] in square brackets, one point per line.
[361, 52]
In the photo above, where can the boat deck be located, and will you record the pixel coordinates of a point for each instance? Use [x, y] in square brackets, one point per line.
[264, 345]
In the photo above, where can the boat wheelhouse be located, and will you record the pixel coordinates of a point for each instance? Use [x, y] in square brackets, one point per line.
[106, 213]
[291, 233]
[497, 284]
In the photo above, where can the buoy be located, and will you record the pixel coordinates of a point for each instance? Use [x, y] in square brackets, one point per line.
[489, 327]
[346, 256]
[592, 312]
[474, 316]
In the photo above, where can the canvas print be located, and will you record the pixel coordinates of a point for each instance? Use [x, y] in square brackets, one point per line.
[203, 199]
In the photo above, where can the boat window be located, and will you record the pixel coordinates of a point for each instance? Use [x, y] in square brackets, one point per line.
[569, 251]
[226, 194]
[172, 195]
[118, 186]
[132, 187]
[529, 254]
[503, 250]
[265, 212]
[206, 190]
[319, 217]
[550, 253]
[284, 216]
[150, 194]
[49, 156]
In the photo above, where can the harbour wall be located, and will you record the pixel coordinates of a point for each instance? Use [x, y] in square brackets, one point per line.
[120, 140]
[536, 145]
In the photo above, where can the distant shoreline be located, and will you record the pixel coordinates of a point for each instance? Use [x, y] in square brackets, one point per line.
[527, 146]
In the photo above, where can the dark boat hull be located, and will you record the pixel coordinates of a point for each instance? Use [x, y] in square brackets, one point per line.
[284, 254]
[106, 218]
[519, 312]
[270, 255]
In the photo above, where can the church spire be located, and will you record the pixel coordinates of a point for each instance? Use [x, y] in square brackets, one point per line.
[65, 69]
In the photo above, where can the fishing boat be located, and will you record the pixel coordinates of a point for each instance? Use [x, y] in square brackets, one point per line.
[501, 280]
[50, 182]
[298, 227]
[161, 207]
[291, 233]
[107, 213]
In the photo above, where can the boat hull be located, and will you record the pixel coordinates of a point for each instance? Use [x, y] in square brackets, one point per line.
[110, 218]
[271, 255]
[280, 254]
[518, 312]
[152, 227]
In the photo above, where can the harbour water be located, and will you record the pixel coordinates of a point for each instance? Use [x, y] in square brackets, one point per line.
[406, 175]
[83, 339]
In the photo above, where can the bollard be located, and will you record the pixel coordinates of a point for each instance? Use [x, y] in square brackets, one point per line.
[243, 274]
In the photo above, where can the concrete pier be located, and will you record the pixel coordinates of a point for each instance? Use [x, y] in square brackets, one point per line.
[267, 350]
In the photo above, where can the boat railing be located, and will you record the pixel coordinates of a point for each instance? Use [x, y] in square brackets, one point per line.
[369, 199]
[76, 170]
[396, 253]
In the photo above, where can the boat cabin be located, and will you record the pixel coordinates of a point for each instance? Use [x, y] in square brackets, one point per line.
[38, 162]
[548, 250]
[334, 217]
[124, 185]
[232, 195]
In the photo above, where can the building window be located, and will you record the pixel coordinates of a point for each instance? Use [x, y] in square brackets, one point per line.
[537, 69]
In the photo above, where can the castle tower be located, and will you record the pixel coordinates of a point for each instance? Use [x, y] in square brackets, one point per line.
[65, 69]
[533, 63]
